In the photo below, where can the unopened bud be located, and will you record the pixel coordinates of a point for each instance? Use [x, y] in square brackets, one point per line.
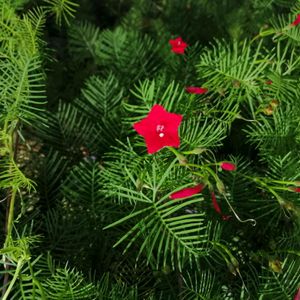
[220, 187]
[198, 150]
[275, 265]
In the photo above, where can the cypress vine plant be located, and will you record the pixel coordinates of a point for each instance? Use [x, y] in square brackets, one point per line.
[150, 149]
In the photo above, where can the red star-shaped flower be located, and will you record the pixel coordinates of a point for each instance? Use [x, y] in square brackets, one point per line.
[297, 20]
[178, 45]
[159, 129]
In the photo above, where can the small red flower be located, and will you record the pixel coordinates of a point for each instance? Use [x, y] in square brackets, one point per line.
[215, 203]
[218, 208]
[297, 296]
[187, 192]
[178, 45]
[159, 129]
[297, 20]
[294, 189]
[196, 90]
[269, 82]
[227, 166]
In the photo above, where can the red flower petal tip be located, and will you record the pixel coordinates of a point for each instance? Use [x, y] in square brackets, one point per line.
[217, 207]
[159, 129]
[187, 192]
[297, 296]
[196, 90]
[226, 217]
[297, 20]
[215, 203]
[296, 190]
[178, 45]
[227, 166]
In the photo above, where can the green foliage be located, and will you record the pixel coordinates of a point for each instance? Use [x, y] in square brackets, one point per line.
[285, 31]
[235, 72]
[63, 10]
[170, 234]
[68, 284]
[128, 54]
[77, 183]
[83, 38]
[277, 134]
[282, 284]
[23, 91]
[101, 97]
[51, 170]
[68, 129]
[199, 286]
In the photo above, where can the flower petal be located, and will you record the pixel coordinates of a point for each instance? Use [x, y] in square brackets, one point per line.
[228, 166]
[178, 45]
[159, 129]
[215, 203]
[297, 20]
[196, 90]
[187, 192]
[295, 189]
[297, 296]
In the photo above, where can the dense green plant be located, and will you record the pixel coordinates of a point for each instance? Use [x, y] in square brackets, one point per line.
[86, 212]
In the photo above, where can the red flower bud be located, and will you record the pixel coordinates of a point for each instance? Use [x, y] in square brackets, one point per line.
[196, 90]
[218, 208]
[297, 20]
[215, 203]
[227, 166]
[187, 192]
[295, 189]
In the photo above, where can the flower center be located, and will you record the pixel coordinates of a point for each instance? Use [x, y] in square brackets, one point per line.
[160, 130]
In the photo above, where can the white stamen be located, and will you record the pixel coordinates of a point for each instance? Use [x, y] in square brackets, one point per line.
[160, 128]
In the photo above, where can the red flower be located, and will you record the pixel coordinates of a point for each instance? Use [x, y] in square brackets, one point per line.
[215, 203]
[217, 207]
[294, 189]
[269, 82]
[297, 21]
[159, 129]
[196, 90]
[297, 296]
[187, 192]
[227, 166]
[178, 45]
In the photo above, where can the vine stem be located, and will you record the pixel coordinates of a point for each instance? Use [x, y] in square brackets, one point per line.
[252, 221]
[12, 282]
[12, 145]
[10, 217]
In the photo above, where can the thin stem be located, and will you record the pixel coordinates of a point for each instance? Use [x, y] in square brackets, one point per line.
[11, 143]
[12, 282]
[252, 221]
[10, 217]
